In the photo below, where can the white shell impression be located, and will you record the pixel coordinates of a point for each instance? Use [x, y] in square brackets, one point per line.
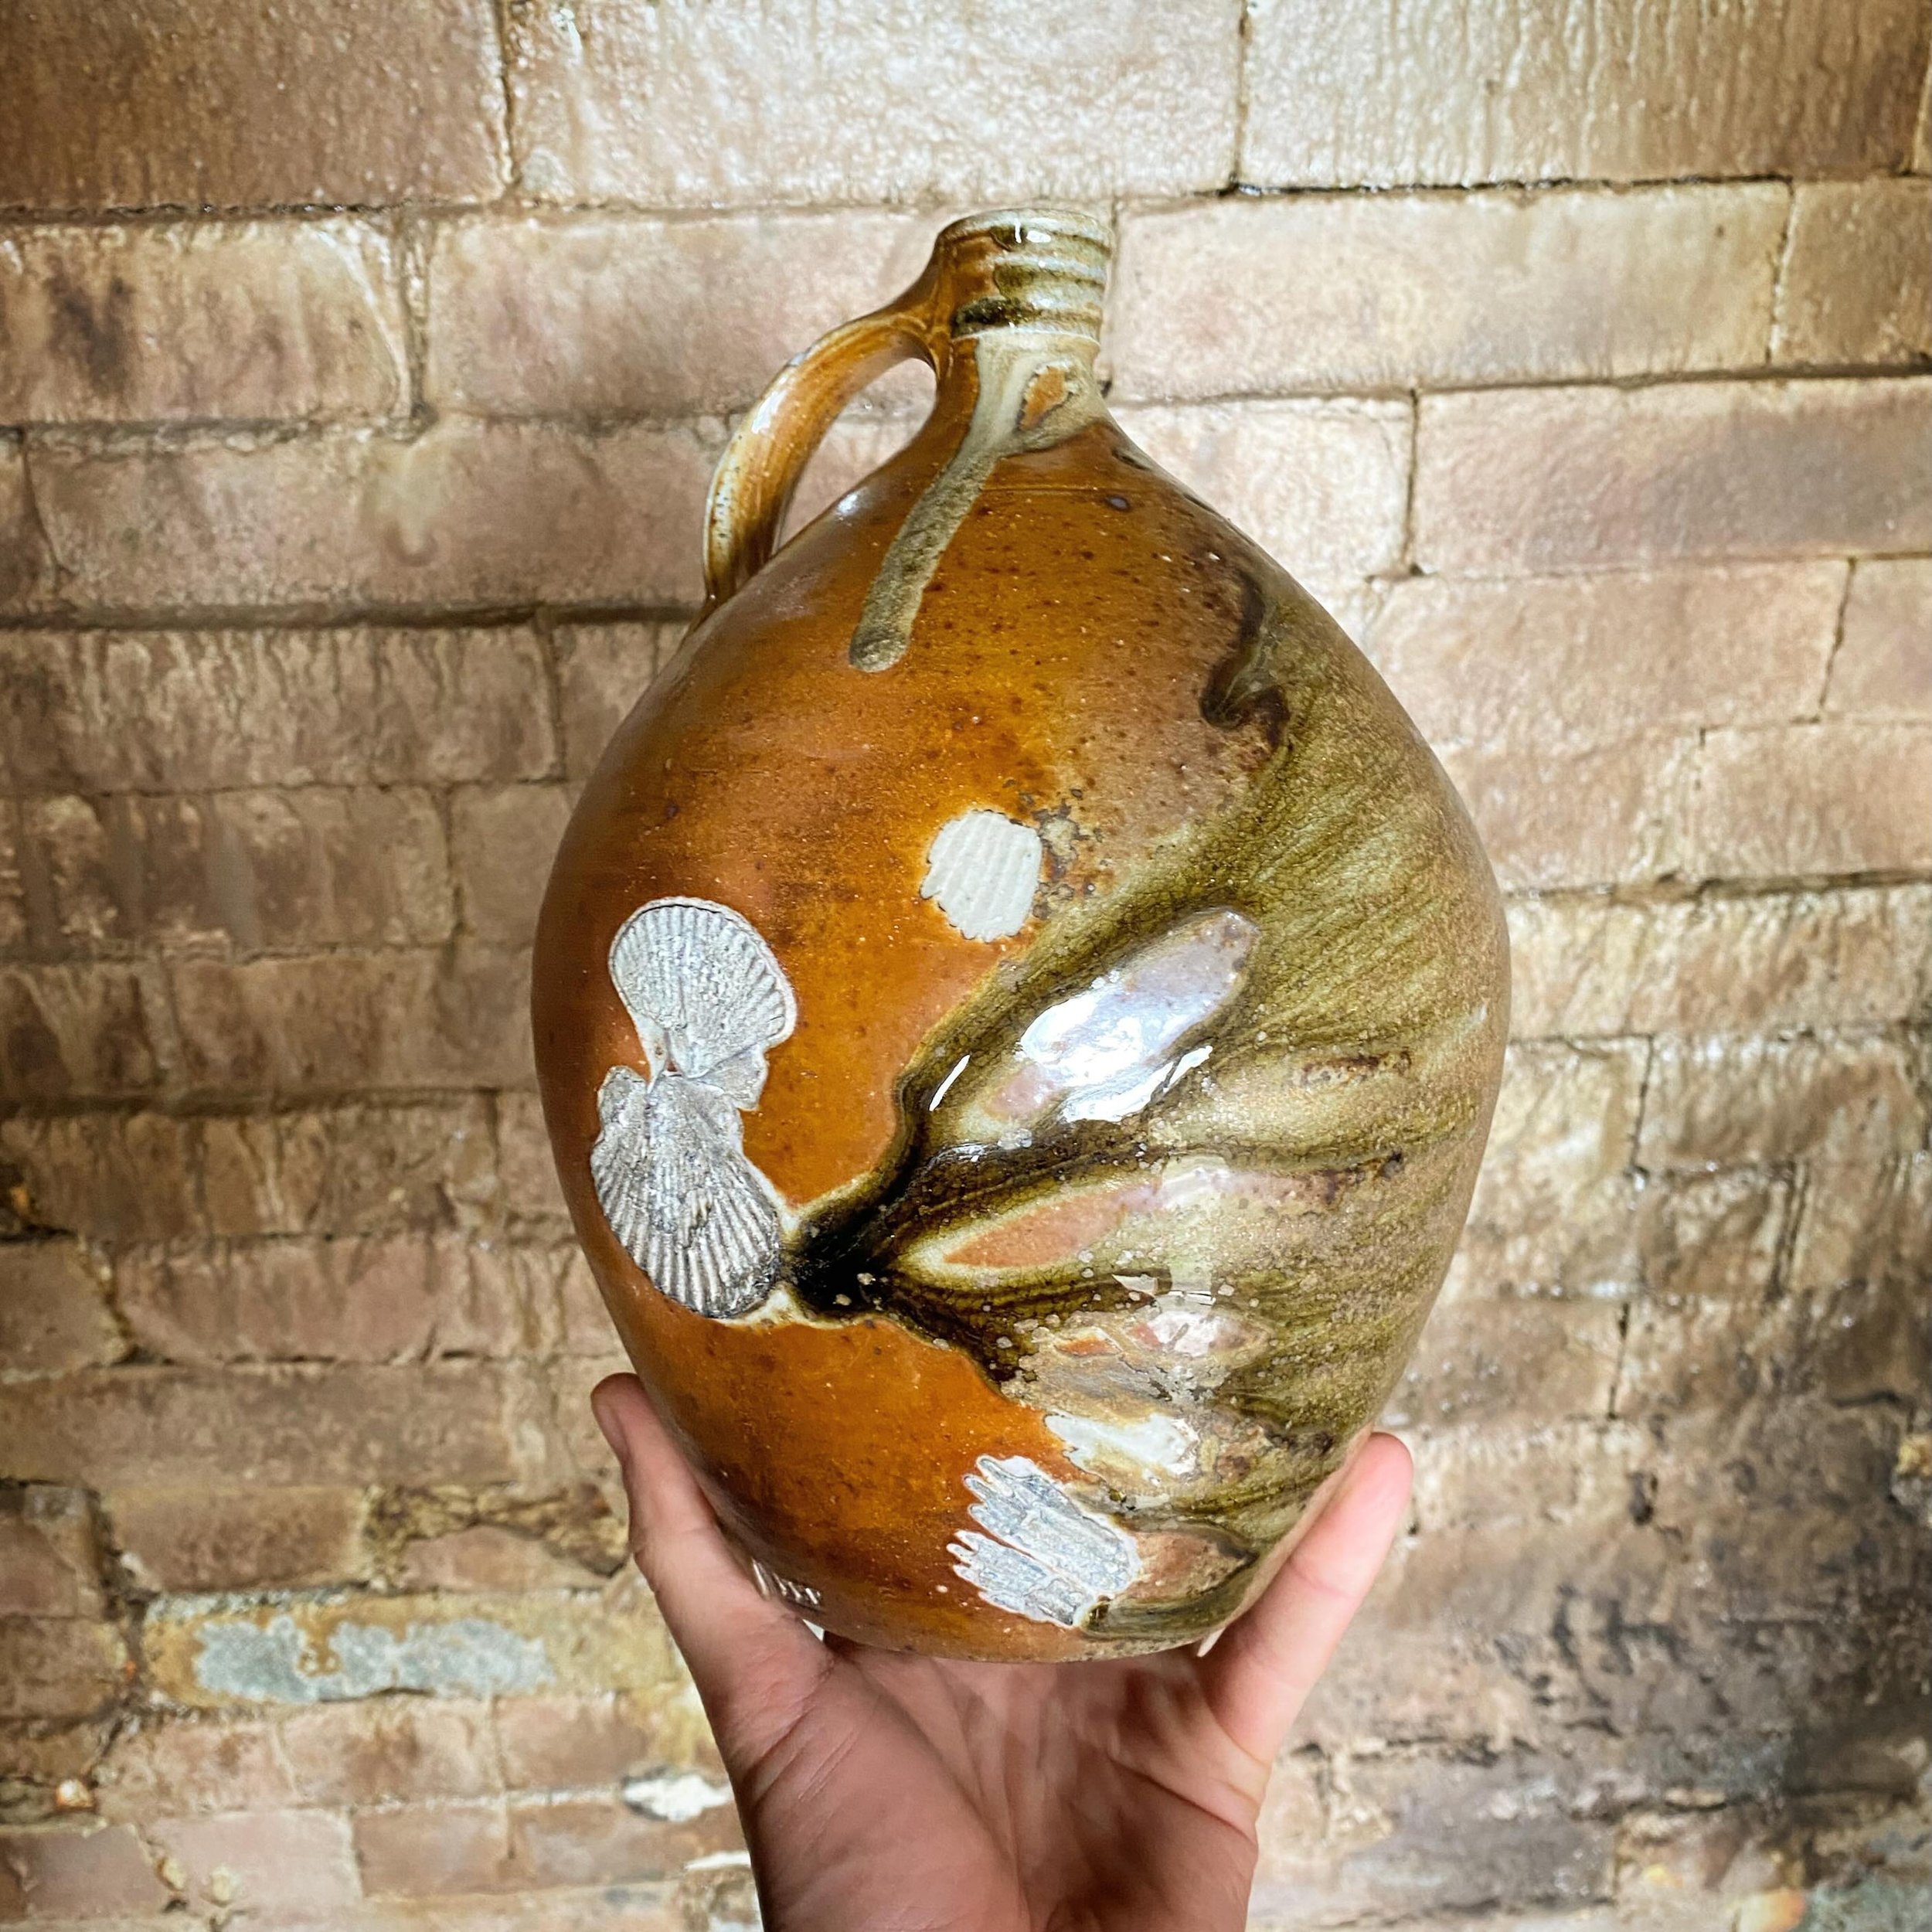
[1055, 1560]
[983, 869]
[708, 998]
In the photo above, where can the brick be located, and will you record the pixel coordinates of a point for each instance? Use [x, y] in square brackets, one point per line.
[13, 899]
[183, 1428]
[600, 1840]
[1883, 668]
[1555, 664]
[335, 1023]
[1601, 816]
[421, 1851]
[1738, 1102]
[1455, 91]
[238, 321]
[1587, 965]
[1527, 1360]
[53, 1317]
[603, 670]
[1864, 1222]
[504, 838]
[211, 1537]
[466, 514]
[362, 1168]
[1536, 480]
[374, 1298]
[106, 1176]
[241, 872]
[524, 1161]
[277, 1864]
[48, 1564]
[1715, 1236]
[1857, 280]
[215, 1652]
[90, 1871]
[1813, 799]
[1400, 291]
[1871, 1340]
[102, 711]
[171, 103]
[1554, 1205]
[80, 1032]
[487, 1557]
[389, 1751]
[531, 316]
[24, 561]
[169, 1767]
[1320, 486]
[705, 107]
[566, 1743]
[58, 1667]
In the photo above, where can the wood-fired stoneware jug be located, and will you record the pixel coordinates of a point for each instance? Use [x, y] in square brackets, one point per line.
[1018, 1007]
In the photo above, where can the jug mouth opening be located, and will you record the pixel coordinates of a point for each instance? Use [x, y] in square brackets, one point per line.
[1040, 268]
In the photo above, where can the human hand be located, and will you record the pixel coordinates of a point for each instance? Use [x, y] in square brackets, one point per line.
[882, 1792]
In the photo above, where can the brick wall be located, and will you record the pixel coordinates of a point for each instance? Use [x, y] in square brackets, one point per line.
[365, 362]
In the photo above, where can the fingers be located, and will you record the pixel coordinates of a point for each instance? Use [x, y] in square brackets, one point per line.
[754, 1662]
[1258, 1677]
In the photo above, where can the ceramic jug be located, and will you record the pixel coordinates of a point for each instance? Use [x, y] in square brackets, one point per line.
[1018, 1006]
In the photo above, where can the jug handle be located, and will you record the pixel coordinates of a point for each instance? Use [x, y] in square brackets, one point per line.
[752, 487]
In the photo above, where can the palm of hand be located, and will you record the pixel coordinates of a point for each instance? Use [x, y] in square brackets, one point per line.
[912, 1794]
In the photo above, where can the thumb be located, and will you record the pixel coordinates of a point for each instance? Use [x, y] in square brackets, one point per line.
[755, 1664]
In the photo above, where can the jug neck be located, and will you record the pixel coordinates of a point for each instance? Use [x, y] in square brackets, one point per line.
[1038, 273]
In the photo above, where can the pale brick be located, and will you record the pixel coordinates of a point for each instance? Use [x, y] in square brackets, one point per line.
[524, 1160]
[331, 1023]
[1805, 800]
[88, 1871]
[108, 1176]
[1320, 486]
[165, 1767]
[1714, 1236]
[287, 1537]
[845, 102]
[567, 1743]
[244, 872]
[24, 561]
[1845, 1097]
[605, 314]
[1472, 90]
[389, 1751]
[204, 710]
[1583, 965]
[487, 1557]
[173, 103]
[1533, 479]
[464, 515]
[1555, 664]
[1528, 1360]
[1603, 816]
[1871, 1341]
[1883, 668]
[81, 1032]
[1857, 280]
[274, 1865]
[237, 320]
[603, 670]
[53, 1315]
[360, 1168]
[421, 1851]
[13, 897]
[50, 1565]
[1554, 1207]
[280, 1425]
[504, 838]
[1862, 1222]
[378, 1298]
[1403, 291]
[592, 1840]
[58, 1667]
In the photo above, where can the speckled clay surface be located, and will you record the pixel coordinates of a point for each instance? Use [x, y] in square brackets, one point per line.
[1018, 1008]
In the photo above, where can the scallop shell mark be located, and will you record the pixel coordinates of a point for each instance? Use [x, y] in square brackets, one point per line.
[983, 869]
[709, 1001]
[1048, 1557]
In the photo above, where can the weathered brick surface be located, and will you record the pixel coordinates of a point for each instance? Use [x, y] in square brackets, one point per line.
[349, 500]
[1598, 478]
[698, 107]
[1475, 90]
[173, 103]
[230, 320]
[1857, 279]
[1320, 292]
